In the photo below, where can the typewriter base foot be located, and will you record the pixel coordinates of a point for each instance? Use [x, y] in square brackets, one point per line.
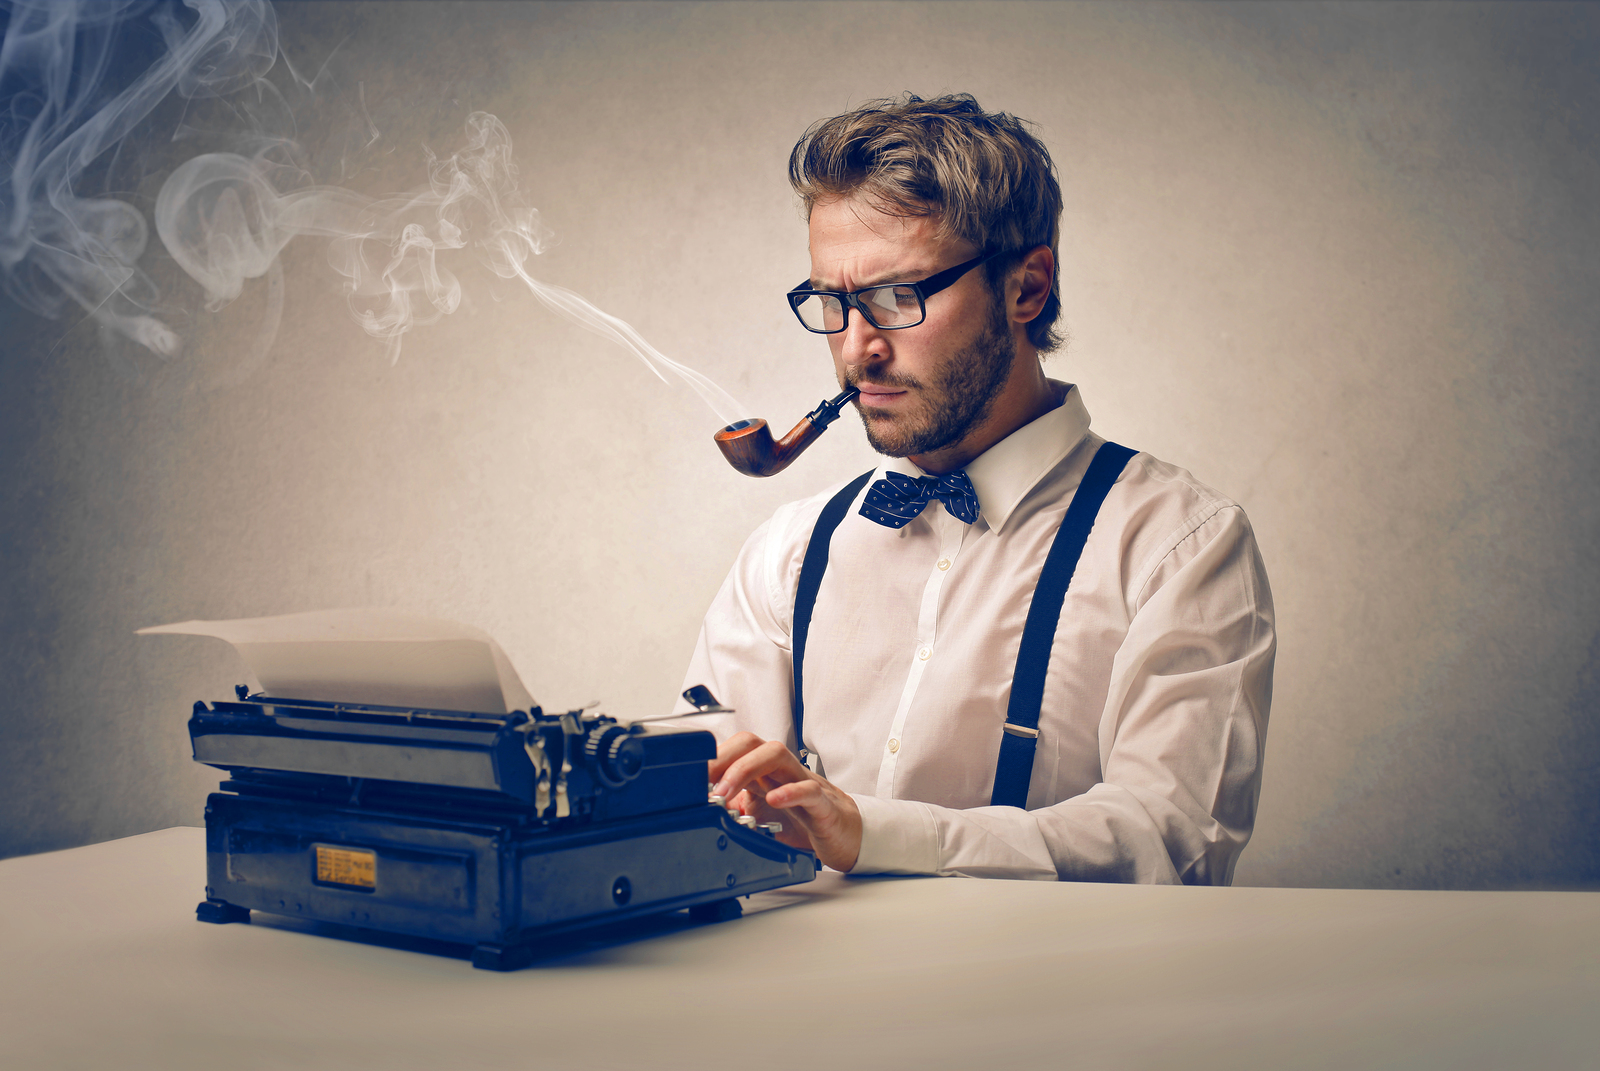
[220, 911]
[717, 910]
[501, 957]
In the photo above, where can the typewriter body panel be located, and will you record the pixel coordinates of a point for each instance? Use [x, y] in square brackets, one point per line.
[497, 831]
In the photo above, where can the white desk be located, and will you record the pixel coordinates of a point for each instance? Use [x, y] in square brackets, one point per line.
[102, 965]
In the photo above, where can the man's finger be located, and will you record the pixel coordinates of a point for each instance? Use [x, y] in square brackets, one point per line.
[769, 760]
[730, 751]
[766, 759]
[807, 794]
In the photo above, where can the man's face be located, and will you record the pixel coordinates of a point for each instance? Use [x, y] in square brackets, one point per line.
[922, 388]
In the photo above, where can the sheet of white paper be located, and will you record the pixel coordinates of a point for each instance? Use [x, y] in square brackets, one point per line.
[384, 657]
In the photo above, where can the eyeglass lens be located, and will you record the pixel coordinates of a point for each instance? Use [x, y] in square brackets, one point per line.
[885, 306]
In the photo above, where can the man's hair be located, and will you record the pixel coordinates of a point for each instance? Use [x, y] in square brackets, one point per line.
[984, 177]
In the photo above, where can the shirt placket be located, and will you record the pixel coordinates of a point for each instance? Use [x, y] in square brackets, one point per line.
[949, 531]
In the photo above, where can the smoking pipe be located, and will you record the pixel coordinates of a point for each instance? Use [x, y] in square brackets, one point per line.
[749, 447]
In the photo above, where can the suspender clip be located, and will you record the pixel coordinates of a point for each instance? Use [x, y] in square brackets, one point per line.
[1021, 730]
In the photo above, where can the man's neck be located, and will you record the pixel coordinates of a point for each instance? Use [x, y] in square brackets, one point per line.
[1026, 397]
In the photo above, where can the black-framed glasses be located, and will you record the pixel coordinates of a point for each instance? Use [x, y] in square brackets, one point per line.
[888, 306]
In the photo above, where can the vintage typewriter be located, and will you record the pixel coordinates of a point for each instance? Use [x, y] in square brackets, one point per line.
[498, 831]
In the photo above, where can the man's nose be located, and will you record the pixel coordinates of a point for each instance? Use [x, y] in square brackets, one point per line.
[862, 344]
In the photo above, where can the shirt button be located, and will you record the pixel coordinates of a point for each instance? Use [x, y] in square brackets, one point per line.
[894, 745]
[925, 654]
[944, 563]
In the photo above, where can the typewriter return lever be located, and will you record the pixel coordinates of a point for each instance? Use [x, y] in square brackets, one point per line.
[700, 697]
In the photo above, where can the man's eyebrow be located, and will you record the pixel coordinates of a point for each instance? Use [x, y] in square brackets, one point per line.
[883, 278]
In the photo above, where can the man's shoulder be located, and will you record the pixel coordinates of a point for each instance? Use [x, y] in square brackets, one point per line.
[771, 557]
[1170, 490]
[1147, 489]
[1163, 517]
[796, 519]
[1151, 508]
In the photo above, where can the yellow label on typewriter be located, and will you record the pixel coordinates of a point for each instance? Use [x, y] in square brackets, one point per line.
[347, 866]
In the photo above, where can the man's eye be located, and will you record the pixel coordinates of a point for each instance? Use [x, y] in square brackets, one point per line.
[884, 299]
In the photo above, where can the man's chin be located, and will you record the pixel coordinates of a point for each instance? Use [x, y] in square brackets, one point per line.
[890, 434]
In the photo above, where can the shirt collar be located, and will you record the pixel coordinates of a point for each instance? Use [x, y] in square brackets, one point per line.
[1012, 467]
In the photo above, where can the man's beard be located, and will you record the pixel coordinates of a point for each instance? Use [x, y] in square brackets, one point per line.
[957, 399]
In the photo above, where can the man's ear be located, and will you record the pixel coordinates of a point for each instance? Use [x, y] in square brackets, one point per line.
[1035, 276]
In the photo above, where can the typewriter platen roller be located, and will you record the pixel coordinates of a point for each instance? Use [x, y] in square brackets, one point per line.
[494, 830]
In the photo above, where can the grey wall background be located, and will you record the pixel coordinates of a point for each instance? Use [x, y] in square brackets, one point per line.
[1337, 260]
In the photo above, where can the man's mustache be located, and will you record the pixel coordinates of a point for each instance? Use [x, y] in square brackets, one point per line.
[890, 380]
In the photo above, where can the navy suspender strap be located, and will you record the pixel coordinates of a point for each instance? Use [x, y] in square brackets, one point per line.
[805, 596]
[1014, 769]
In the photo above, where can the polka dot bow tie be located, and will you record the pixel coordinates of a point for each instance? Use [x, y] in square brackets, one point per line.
[897, 499]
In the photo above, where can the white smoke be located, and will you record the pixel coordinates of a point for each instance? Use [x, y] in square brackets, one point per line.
[225, 217]
[54, 244]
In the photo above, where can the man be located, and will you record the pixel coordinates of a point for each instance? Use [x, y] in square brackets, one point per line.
[945, 729]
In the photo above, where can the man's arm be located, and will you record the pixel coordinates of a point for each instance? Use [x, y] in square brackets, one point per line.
[1180, 737]
[744, 651]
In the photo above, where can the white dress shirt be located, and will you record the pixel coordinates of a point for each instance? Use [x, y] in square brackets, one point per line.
[1154, 716]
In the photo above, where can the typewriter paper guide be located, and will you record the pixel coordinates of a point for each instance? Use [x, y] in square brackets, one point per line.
[381, 657]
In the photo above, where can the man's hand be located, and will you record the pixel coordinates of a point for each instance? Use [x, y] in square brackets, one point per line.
[763, 778]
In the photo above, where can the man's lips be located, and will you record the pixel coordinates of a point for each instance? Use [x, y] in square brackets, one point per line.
[877, 397]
